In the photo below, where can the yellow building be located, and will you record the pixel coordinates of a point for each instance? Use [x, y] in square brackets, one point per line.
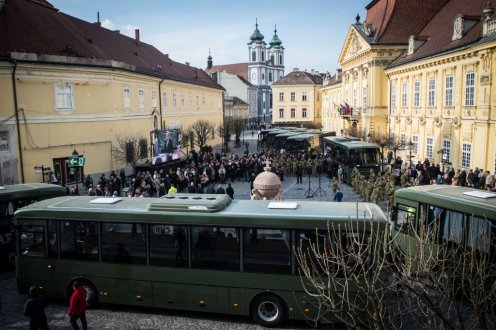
[67, 85]
[296, 100]
[441, 88]
[368, 49]
[331, 96]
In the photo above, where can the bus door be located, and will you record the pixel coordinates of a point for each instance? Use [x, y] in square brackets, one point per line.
[32, 257]
[405, 224]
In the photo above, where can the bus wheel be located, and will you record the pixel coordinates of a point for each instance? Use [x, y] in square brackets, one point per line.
[268, 310]
[92, 297]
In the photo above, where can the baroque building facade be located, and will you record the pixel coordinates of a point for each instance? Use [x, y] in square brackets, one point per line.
[442, 90]
[69, 86]
[297, 100]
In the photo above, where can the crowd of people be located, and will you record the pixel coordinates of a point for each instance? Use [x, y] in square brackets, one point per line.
[424, 173]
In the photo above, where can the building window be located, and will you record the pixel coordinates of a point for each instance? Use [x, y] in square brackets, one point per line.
[64, 96]
[281, 113]
[304, 113]
[293, 113]
[432, 93]
[393, 96]
[346, 94]
[429, 147]
[164, 99]
[281, 97]
[404, 94]
[403, 138]
[174, 99]
[466, 154]
[416, 94]
[270, 76]
[448, 97]
[293, 96]
[182, 102]
[280, 59]
[126, 93]
[253, 56]
[446, 155]
[154, 98]
[141, 99]
[304, 96]
[469, 88]
[415, 142]
[364, 94]
[197, 102]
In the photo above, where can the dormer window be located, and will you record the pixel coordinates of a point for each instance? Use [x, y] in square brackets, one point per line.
[458, 27]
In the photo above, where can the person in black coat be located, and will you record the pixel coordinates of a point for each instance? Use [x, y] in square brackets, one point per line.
[220, 190]
[230, 191]
[34, 308]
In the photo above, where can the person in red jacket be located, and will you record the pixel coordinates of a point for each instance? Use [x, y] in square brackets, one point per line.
[77, 306]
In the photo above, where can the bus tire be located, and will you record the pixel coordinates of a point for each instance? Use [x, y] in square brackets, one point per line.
[268, 310]
[92, 296]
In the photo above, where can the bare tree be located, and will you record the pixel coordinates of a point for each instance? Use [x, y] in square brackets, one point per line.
[449, 283]
[345, 273]
[225, 130]
[130, 149]
[203, 130]
[238, 126]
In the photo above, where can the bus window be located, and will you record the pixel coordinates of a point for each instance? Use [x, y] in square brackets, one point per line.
[168, 245]
[314, 244]
[79, 240]
[267, 251]
[481, 234]
[444, 225]
[405, 219]
[215, 247]
[123, 243]
[52, 239]
[32, 241]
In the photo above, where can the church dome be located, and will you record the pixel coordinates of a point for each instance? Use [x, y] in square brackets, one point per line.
[256, 36]
[276, 42]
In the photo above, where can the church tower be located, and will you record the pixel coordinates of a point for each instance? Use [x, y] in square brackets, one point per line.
[265, 66]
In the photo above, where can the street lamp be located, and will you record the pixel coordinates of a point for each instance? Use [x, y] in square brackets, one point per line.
[75, 153]
[410, 147]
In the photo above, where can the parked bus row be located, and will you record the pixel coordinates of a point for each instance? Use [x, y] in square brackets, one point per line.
[210, 253]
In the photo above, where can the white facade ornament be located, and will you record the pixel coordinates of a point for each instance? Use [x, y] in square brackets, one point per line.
[458, 27]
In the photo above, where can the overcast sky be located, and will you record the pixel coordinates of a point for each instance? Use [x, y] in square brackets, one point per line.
[312, 31]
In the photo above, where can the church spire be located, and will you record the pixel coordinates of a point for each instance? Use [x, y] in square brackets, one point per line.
[209, 60]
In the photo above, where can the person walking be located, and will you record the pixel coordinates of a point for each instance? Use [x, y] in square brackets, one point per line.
[34, 308]
[77, 306]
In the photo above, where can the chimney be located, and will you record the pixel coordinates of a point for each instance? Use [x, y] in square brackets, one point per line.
[187, 63]
[137, 36]
[98, 19]
[296, 70]
[311, 71]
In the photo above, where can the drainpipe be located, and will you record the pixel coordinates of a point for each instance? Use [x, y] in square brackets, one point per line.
[16, 111]
[160, 100]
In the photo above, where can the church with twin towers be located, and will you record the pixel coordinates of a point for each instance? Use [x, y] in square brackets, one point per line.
[251, 81]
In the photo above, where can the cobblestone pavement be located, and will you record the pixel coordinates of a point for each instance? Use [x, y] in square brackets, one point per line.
[118, 317]
[121, 317]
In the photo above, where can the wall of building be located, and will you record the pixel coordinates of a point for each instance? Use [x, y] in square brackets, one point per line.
[100, 113]
[466, 130]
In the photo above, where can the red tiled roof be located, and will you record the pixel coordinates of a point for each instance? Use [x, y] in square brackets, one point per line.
[300, 78]
[240, 69]
[395, 20]
[439, 31]
[35, 26]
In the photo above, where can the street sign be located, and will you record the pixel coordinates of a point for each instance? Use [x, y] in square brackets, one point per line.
[38, 169]
[76, 161]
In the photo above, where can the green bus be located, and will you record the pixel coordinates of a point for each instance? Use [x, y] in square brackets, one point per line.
[190, 252]
[351, 152]
[454, 215]
[13, 197]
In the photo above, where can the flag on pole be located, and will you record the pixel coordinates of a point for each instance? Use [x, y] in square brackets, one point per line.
[347, 111]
